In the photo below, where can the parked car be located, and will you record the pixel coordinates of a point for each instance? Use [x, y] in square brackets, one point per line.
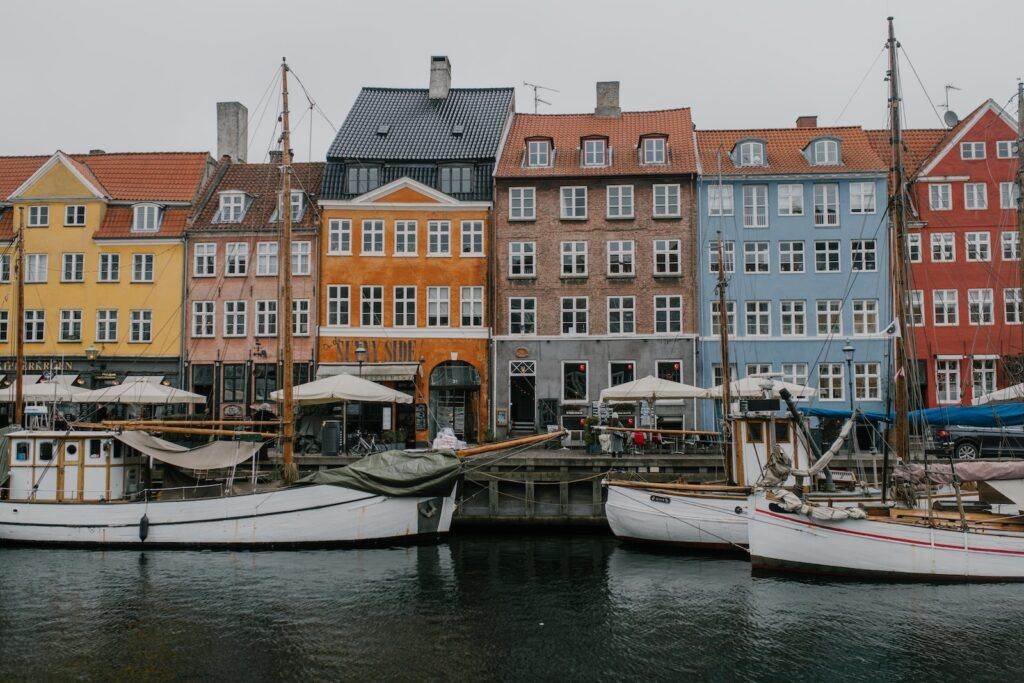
[969, 443]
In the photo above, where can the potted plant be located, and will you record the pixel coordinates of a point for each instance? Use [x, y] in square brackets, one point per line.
[394, 439]
[590, 439]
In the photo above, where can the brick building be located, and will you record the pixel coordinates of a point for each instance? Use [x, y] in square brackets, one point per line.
[593, 261]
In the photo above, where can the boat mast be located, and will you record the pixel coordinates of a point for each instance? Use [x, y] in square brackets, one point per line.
[1020, 195]
[19, 320]
[723, 336]
[290, 470]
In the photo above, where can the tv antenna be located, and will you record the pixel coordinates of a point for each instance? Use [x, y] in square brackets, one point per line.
[949, 118]
[536, 97]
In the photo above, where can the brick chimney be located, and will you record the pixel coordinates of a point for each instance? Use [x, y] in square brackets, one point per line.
[232, 131]
[440, 77]
[807, 121]
[607, 99]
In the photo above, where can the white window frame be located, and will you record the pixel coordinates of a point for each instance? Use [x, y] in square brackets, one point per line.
[975, 196]
[757, 257]
[439, 238]
[77, 262]
[402, 305]
[914, 248]
[670, 249]
[721, 200]
[751, 153]
[761, 312]
[825, 153]
[671, 306]
[574, 249]
[372, 295]
[473, 231]
[573, 202]
[204, 320]
[204, 259]
[266, 318]
[790, 197]
[140, 326]
[109, 267]
[947, 380]
[575, 312]
[755, 206]
[406, 239]
[864, 248]
[730, 318]
[236, 318]
[38, 216]
[267, 259]
[670, 204]
[74, 215]
[107, 325]
[339, 234]
[625, 308]
[34, 325]
[831, 382]
[236, 259]
[339, 305]
[301, 317]
[595, 152]
[538, 153]
[654, 150]
[520, 308]
[617, 199]
[828, 203]
[829, 252]
[972, 150]
[146, 218]
[302, 258]
[1008, 192]
[863, 199]
[621, 249]
[981, 242]
[37, 268]
[439, 306]
[522, 203]
[946, 244]
[144, 274]
[1012, 309]
[917, 313]
[471, 299]
[865, 317]
[72, 318]
[788, 257]
[829, 311]
[728, 253]
[231, 207]
[940, 196]
[793, 316]
[526, 253]
[949, 301]
[369, 231]
[867, 381]
[1006, 149]
[981, 307]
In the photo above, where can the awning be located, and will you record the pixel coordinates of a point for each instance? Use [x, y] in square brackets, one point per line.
[212, 456]
[375, 372]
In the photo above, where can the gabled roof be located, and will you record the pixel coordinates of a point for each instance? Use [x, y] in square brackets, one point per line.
[419, 128]
[117, 224]
[918, 145]
[958, 132]
[261, 182]
[784, 148]
[623, 133]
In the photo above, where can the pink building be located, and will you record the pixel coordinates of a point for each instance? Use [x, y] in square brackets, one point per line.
[233, 283]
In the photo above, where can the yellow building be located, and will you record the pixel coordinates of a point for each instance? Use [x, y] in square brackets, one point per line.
[103, 244]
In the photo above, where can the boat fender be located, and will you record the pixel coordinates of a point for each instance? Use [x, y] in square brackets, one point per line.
[143, 527]
[428, 510]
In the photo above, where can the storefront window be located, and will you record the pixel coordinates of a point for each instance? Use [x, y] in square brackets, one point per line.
[234, 382]
[574, 381]
[670, 370]
[264, 380]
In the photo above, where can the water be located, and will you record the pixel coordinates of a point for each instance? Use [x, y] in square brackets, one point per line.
[483, 607]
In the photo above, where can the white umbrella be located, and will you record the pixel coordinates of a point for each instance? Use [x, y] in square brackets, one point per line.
[137, 390]
[753, 386]
[650, 388]
[51, 391]
[341, 388]
[1014, 393]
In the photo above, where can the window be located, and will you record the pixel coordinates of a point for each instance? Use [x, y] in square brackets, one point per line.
[5, 326]
[362, 179]
[794, 373]
[141, 327]
[865, 316]
[865, 258]
[975, 196]
[300, 317]
[574, 381]
[947, 381]
[862, 197]
[917, 308]
[235, 322]
[266, 318]
[106, 324]
[373, 238]
[940, 197]
[668, 257]
[620, 258]
[264, 376]
[791, 200]
[829, 317]
[74, 215]
[438, 307]
[266, 258]
[338, 305]
[301, 258]
[405, 306]
[826, 256]
[830, 382]
[621, 315]
[978, 248]
[914, 247]
[36, 267]
[668, 314]
[371, 306]
[594, 152]
[522, 204]
[867, 381]
[791, 257]
[73, 269]
[979, 307]
[38, 216]
[720, 200]
[758, 369]
[339, 236]
[1006, 149]
[232, 208]
[619, 201]
[751, 153]
[5, 267]
[405, 238]
[826, 153]
[522, 315]
[666, 201]
[972, 150]
[70, 325]
[755, 206]
[35, 325]
[521, 262]
[203, 319]
[1008, 195]
[654, 150]
[983, 376]
[204, 260]
[620, 372]
[574, 259]
[758, 318]
[1011, 306]
[574, 315]
[439, 238]
[945, 309]
[236, 262]
[471, 300]
[716, 373]
[672, 370]
[456, 179]
[755, 257]
[826, 205]
[793, 316]
[538, 153]
[730, 318]
[943, 246]
[472, 234]
[728, 253]
[142, 267]
[234, 382]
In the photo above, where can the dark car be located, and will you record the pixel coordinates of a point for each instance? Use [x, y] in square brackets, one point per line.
[969, 443]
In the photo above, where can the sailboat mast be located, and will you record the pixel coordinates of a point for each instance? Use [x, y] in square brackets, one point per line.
[19, 320]
[901, 426]
[1020, 193]
[285, 312]
[723, 336]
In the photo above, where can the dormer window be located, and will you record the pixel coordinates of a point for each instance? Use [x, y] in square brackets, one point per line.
[538, 153]
[595, 152]
[232, 208]
[147, 218]
[456, 179]
[825, 153]
[360, 179]
[652, 150]
[751, 153]
[298, 205]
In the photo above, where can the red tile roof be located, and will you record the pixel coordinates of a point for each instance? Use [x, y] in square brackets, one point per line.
[785, 150]
[918, 145]
[623, 133]
[6, 224]
[16, 170]
[117, 223]
[261, 182]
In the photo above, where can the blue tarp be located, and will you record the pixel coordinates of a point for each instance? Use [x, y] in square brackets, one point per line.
[999, 415]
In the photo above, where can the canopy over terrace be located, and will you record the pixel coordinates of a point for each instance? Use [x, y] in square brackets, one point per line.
[650, 388]
[139, 390]
[60, 389]
[753, 386]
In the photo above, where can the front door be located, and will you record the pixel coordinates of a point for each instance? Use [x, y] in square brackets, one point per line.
[523, 407]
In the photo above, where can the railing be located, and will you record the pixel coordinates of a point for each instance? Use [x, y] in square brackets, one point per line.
[141, 495]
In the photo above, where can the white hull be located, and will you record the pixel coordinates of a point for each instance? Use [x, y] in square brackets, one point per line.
[867, 547]
[305, 515]
[691, 520]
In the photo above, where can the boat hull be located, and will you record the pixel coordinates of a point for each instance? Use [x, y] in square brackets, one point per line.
[291, 517]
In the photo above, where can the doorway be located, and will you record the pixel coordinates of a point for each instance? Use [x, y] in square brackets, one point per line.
[454, 389]
[522, 397]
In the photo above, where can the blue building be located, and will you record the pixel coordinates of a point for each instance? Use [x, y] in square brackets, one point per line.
[802, 216]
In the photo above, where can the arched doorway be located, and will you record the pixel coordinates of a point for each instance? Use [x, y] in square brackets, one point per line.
[454, 399]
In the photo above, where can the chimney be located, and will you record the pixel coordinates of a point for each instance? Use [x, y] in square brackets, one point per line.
[276, 157]
[607, 99]
[807, 121]
[232, 131]
[96, 151]
[440, 77]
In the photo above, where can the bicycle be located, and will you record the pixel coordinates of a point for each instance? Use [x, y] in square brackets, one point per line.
[364, 445]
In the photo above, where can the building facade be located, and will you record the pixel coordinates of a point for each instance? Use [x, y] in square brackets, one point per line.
[593, 261]
[801, 213]
[403, 279]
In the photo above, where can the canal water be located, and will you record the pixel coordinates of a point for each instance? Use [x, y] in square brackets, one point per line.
[506, 607]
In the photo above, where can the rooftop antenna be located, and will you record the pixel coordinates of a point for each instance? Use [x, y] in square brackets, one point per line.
[950, 118]
[536, 99]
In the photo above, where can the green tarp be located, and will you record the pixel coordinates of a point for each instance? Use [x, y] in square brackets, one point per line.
[395, 473]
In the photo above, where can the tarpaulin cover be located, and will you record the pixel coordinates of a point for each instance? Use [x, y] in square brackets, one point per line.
[395, 473]
[971, 470]
[1000, 415]
[5, 452]
[212, 456]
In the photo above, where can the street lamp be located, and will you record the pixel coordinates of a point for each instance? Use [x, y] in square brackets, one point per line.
[361, 356]
[848, 354]
[91, 352]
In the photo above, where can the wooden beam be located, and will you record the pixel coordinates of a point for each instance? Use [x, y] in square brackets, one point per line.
[645, 430]
[511, 443]
[175, 430]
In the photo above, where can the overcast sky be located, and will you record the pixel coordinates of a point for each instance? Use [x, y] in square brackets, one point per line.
[130, 75]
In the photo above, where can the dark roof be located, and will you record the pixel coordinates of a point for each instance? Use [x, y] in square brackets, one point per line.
[419, 128]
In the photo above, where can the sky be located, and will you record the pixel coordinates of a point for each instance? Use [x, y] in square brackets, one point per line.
[140, 75]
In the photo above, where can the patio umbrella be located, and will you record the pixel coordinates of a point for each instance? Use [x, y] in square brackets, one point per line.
[139, 390]
[49, 391]
[650, 388]
[753, 386]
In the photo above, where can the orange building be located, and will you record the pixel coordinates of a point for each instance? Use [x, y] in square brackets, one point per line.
[403, 276]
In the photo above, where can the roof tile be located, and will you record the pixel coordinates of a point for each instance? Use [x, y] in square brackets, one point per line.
[784, 148]
[261, 182]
